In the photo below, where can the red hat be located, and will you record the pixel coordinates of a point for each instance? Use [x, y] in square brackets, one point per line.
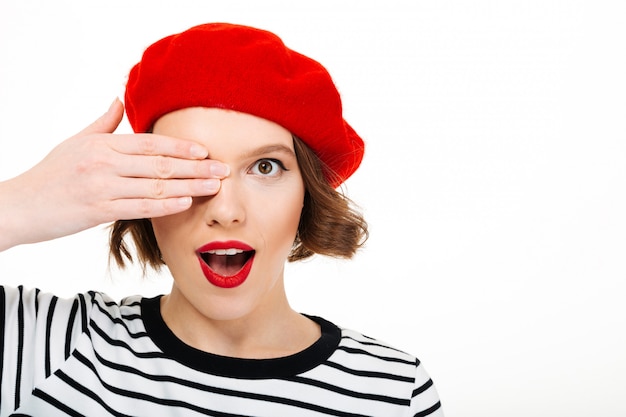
[251, 71]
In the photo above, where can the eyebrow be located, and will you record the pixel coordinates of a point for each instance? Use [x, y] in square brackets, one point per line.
[263, 150]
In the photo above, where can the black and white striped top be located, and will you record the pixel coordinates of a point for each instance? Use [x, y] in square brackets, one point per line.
[90, 356]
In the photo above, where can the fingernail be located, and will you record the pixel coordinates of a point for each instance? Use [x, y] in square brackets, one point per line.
[211, 185]
[112, 106]
[198, 151]
[220, 170]
[184, 201]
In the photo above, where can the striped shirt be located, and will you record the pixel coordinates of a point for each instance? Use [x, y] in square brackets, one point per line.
[91, 356]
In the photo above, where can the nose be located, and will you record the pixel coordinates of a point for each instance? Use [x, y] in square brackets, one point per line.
[226, 208]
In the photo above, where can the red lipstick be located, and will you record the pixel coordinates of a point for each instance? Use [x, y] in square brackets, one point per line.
[226, 264]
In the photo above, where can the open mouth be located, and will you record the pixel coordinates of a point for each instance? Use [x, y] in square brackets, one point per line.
[226, 262]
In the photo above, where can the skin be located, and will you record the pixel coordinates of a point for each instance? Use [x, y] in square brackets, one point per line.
[258, 204]
[97, 177]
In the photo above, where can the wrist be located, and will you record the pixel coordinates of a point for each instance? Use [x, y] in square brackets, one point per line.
[12, 231]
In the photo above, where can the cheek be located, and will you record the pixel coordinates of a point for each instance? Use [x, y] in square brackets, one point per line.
[162, 234]
[291, 216]
[169, 229]
[280, 219]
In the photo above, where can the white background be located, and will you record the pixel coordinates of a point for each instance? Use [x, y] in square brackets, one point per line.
[494, 177]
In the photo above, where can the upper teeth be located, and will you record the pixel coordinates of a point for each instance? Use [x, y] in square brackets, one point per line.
[231, 251]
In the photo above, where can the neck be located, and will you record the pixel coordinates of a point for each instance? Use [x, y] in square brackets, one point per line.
[271, 330]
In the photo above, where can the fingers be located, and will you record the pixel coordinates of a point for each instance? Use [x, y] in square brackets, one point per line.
[142, 144]
[129, 209]
[151, 144]
[165, 167]
[162, 189]
[131, 176]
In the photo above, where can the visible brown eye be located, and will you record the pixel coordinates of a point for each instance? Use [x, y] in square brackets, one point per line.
[268, 167]
[265, 167]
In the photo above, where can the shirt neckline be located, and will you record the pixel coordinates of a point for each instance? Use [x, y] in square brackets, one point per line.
[291, 365]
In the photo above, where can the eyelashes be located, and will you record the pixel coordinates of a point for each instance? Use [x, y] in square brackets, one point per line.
[268, 167]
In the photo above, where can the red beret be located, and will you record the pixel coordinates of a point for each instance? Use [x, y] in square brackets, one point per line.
[251, 71]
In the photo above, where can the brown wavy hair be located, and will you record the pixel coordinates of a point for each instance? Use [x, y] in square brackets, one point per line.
[329, 225]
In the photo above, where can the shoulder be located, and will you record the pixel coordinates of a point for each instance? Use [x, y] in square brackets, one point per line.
[112, 319]
[360, 345]
[40, 308]
[128, 306]
[383, 363]
[359, 355]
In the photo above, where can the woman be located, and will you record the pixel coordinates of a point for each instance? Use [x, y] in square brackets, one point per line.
[237, 174]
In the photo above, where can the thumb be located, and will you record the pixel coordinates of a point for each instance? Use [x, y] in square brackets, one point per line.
[108, 122]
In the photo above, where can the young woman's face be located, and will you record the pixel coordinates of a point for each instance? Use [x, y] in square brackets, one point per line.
[227, 252]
